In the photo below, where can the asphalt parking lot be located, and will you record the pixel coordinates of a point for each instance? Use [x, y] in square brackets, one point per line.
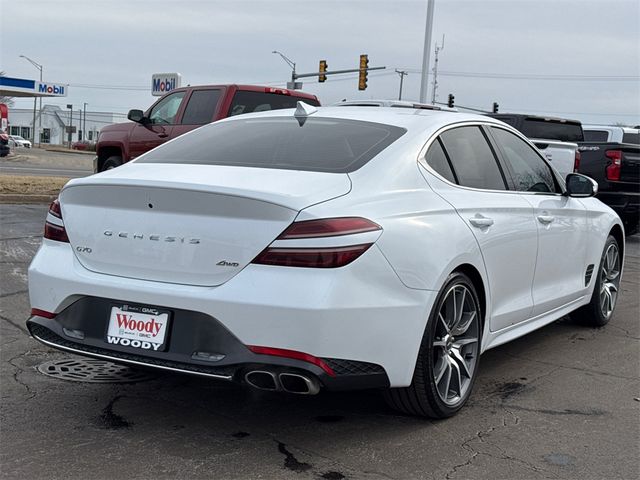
[563, 402]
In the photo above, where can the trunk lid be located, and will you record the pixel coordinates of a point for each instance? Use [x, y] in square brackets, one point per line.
[186, 224]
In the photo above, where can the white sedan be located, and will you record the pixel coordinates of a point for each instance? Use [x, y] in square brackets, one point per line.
[20, 142]
[330, 248]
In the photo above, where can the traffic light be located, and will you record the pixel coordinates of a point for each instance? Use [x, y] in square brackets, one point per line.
[323, 68]
[362, 78]
[450, 102]
[495, 107]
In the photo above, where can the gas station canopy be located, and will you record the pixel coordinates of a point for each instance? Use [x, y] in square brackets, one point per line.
[22, 87]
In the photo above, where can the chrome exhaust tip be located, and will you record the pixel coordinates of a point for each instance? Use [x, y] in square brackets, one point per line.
[262, 380]
[298, 384]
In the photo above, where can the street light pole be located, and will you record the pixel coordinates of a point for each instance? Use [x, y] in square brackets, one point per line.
[424, 83]
[292, 64]
[69, 133]
[84, 122]
[33, 136]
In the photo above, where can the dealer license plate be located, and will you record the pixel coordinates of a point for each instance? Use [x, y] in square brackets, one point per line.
[139, 327]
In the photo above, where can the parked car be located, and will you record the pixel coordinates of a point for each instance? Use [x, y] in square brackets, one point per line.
[611, 156]
[20, 142]
[557, 138]
[83, 145]
[331, 248]
[183, 110]
[5, 149]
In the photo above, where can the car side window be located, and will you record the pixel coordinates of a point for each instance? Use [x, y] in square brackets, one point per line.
[201, 107]
[164, 112]
[474, 163]
[530, 173]
[437, 159]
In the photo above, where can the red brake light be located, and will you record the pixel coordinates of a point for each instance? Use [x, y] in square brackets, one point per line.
[281, 352]
[55, 231]
[36, 312]
[328, 227]
[614, 167]
[331, 257]
[278, 91]
[576, 162]
[342, 253]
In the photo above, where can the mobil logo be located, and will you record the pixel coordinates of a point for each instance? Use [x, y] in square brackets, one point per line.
[162, 83]
[51, 89]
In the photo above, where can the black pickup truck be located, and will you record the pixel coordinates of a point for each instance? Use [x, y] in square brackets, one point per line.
[616, 168]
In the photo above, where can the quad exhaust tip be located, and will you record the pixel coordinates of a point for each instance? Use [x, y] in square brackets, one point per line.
[287, 382]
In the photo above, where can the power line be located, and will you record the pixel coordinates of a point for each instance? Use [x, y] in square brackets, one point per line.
[518, 76]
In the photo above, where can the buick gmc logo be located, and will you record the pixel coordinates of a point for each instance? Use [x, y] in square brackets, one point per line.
[152, 237]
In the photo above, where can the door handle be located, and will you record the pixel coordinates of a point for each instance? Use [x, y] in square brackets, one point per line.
[163, 135]
[546, 219]
[481, 222]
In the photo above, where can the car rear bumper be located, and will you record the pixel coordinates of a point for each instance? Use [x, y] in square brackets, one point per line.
[360, 319]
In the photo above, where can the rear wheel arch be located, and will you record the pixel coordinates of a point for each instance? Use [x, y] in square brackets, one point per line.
[475, 277]
[618, 234]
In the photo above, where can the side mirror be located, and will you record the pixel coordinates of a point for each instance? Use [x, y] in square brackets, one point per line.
[136, 116]
[581, 185]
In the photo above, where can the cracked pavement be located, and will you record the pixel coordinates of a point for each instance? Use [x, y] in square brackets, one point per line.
[562, 402]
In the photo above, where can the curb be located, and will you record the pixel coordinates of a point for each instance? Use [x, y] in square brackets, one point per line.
[17, 198]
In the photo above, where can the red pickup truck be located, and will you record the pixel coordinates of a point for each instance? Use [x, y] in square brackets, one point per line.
[185, 109]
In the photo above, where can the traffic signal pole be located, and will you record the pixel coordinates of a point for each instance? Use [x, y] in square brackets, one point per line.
[424, 83]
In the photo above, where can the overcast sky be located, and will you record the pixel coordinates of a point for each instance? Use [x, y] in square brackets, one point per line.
[578, 59]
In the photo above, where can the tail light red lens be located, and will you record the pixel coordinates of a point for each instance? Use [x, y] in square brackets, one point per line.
[614, 167]
[36, 312]
[331, 257]
[328, 227]
[281, 352]
[54, 231]
[321, 256]
[576, 162]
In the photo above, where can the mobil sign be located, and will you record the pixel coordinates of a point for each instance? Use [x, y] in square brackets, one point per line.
[51, 89]
[162, 83]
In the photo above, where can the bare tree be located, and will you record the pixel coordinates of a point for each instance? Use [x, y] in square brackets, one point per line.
[6, 100]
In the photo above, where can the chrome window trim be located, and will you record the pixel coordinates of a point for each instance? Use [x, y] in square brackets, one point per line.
[422, 157]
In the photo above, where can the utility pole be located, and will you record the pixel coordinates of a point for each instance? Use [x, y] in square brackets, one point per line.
[84, 124]
[33, 135]
[424, 83]
[439, 48]
[402, 73]
[70, 127]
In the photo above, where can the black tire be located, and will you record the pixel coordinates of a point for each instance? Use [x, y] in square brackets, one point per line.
[424, 396]
[111, 162]
[597, 312]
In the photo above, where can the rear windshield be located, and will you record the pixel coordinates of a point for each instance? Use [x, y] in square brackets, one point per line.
[631, 138]
[318, 145]
[596, 135]
[550, 130]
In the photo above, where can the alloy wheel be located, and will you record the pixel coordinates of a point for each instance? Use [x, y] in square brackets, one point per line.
[455, 345]
[609, 280]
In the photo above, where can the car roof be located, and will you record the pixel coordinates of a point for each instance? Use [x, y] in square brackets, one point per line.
[392, 103]
[410, 119]
[602, 127]
[249, 88]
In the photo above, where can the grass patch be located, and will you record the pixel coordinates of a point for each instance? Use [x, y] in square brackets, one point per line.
[31, 185]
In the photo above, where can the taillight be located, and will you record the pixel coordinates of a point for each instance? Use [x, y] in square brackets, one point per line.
[277, 91]
[36, 312]
[281, 352]
[576, 162]
[54, 226]
[613, 169]
[341, 243]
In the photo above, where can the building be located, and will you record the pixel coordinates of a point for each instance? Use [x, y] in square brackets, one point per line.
[53, 121]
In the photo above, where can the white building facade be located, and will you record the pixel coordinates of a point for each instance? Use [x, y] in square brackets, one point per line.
[54, 120]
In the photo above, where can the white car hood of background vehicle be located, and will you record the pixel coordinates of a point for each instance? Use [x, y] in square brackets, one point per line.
[187, 224]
